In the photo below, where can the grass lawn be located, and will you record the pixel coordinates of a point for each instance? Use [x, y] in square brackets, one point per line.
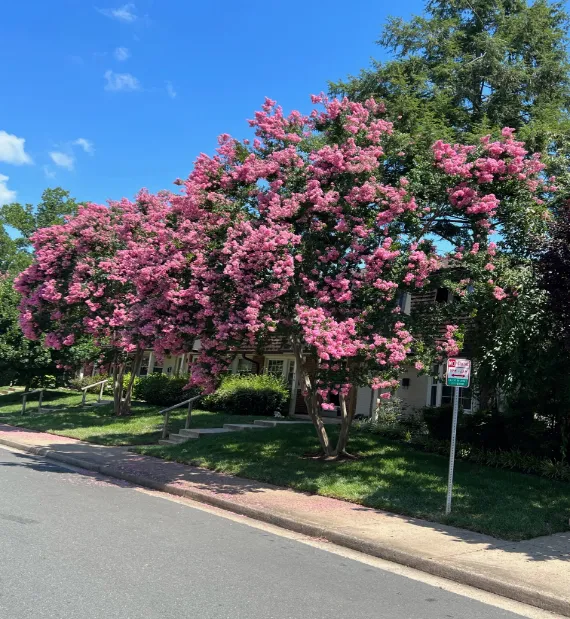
[99, 425]
[388, 476]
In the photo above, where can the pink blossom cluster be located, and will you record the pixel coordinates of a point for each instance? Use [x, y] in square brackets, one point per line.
[309, 240]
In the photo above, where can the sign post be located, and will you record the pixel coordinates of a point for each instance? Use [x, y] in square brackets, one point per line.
[457, 376]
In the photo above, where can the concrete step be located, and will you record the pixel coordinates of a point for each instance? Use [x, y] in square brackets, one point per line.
[198, 432]
[178, 438]
[165, 441]
[242, 426]
[326, 420]
[273, 423]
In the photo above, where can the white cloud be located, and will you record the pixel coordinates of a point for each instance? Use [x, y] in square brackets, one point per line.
[125, 13]
[122, 53]
[48, 172]
[85, 144]
[12, 149]
[170, 90]
[6, 195]
[62, 160]
[121, 81]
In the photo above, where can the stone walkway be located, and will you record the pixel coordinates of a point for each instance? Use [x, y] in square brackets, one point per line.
[535, 572]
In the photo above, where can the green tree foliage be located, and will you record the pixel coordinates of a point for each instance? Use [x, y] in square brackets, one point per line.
[470, 67]
[55, 205]
[23, 360]
[464, 69]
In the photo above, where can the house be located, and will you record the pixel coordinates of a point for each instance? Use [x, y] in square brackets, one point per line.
[415, 391]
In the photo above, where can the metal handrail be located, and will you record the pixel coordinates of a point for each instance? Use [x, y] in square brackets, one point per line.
[166, 413]
[25, 396]
[84, 389]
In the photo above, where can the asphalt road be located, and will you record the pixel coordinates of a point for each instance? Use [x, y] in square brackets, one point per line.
[77, 546]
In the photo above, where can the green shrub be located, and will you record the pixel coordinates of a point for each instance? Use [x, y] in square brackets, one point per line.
[510, 459]
[438, 421]
[80, 383]
[249, 394]
[162, 390]
[48, 381]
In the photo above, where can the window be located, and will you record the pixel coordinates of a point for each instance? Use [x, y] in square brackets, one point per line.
[439, 394]
[464, 397]
[276, 367]
[442, 295]
[144, 365]
[404, 300]
[434, 382]
[245, 366]
[291, 374]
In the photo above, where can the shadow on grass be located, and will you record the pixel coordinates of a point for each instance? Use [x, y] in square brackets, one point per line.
[389, 476]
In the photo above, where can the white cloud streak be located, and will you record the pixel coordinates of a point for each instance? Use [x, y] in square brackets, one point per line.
[170, 90]
[6, 195]
[125, 13]
[116, 82]
[12, 149]
[48, 172]
[122, 53]
[62, 160]
[85, 144]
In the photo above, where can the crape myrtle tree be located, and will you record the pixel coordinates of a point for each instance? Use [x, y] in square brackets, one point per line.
[22, 360]
[325, 234]
[105, 274]
[457, 72]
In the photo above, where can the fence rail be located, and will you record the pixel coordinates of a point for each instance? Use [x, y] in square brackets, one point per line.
[84, 389]
[166, 413]
[25, 399]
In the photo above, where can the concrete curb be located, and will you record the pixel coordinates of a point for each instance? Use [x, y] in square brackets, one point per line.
[520, 593]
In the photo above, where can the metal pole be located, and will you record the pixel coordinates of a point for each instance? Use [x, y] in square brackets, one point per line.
[189, 415]
[165, 426]
[452, 450]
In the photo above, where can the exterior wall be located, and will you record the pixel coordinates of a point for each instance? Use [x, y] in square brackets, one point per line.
[364, 401]
[415, 395]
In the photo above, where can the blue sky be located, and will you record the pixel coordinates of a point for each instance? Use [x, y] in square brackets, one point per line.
[105, 98]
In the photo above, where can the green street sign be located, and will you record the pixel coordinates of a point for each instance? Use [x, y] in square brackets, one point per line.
[458, 372]
[457, 382]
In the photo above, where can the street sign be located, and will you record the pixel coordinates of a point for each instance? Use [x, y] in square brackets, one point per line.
[458, 373]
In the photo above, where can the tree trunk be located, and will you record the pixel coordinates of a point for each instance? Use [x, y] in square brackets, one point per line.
[312, 402]
[126, 402]
[118, 372]
[374, 406]
[347, 410]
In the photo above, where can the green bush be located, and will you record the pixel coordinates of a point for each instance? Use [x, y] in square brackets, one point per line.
[438, 421]
[249, 394]
[509, 459]
[162, 390]
[48, 381]
[80, 383]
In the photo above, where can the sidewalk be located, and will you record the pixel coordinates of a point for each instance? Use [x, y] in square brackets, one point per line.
[535, 572]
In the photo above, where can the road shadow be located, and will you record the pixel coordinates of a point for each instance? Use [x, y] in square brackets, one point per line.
[274, 446]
